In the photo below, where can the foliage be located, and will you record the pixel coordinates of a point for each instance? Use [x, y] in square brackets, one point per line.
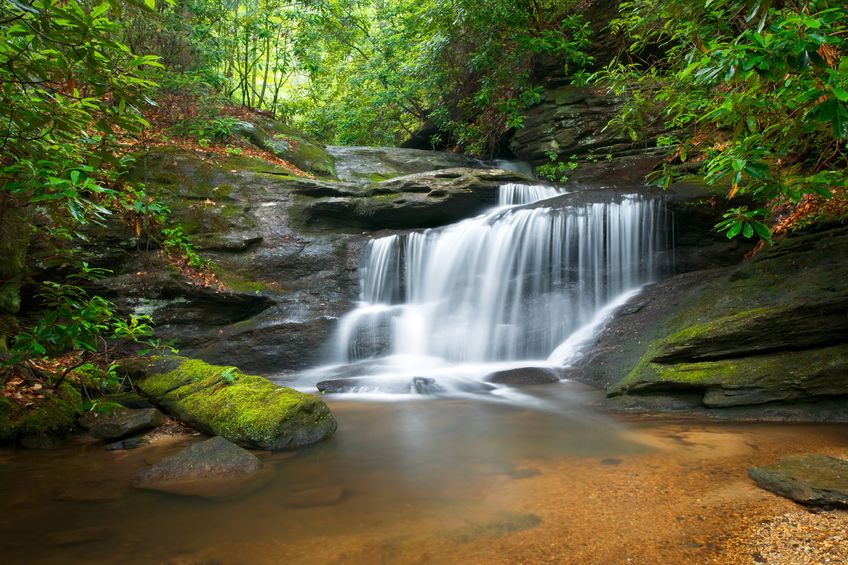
[555, 169]
[760, 87]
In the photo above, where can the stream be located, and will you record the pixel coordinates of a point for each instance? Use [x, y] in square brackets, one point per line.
[457, 468]
[460, 480]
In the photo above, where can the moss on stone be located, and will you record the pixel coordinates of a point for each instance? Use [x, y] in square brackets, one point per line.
[52, 416]
[246, 409]
[785, 376]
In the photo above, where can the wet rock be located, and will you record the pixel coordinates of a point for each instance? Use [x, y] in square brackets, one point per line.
[246, 409]
[369, 164]
[316, 497]
[426, 385]
[129, 443]
[121, 423]
[524, 376]
[212, 468]
[811, 479]
[336, 386]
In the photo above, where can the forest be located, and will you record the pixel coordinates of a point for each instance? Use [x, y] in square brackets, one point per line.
[107, 263]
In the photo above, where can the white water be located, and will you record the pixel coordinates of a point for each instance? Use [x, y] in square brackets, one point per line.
[515, 287]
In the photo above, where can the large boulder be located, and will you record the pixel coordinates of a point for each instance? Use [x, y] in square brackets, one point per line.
[419, 200]
[212, 468]
[811, 479]
[365, 165]
[771, 333]
[248, 410]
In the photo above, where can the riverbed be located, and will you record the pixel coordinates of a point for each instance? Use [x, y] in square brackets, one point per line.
[462, 480]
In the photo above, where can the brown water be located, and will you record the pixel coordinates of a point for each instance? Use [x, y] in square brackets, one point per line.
[438, 481]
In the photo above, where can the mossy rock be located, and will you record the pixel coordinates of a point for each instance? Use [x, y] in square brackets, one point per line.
[772, 331]
[47, 419]
[248, 410]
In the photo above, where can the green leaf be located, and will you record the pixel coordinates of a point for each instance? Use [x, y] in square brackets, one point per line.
[840, 93]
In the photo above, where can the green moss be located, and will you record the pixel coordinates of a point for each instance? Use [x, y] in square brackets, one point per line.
[54, 415]
[718, 327]
[248, 410]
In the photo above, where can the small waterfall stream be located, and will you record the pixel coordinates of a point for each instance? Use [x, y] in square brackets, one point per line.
[519, 286]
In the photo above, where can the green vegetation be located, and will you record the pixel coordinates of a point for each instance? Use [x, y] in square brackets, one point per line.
[248, 410]
[757, 89]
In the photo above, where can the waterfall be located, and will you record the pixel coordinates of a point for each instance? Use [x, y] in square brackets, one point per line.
[520, 283]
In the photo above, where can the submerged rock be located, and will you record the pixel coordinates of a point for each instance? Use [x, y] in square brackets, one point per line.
[524, 376]
[316, 497]
[811, 479]
[245, 409]
[122, 423]
[215, 467]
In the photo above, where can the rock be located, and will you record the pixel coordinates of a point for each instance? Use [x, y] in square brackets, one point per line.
[366, 165]
[284, 284]
[212, 468]
[129, 443]
[287, 144]
[426, 385]
[571, 122]
[811, 479]
[419, 200]
[524, 376]
[124, 422]
[771, 334]
[316, 497]
[248, 410]
[338, 385]
[44, 423]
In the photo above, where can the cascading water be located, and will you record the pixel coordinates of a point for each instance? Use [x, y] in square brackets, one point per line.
[517, 286]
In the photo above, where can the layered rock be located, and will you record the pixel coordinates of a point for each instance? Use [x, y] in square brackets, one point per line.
[770, 333]
[420, 200]
[571, 124]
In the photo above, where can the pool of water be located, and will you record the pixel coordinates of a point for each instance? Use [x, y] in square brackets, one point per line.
[421, 481]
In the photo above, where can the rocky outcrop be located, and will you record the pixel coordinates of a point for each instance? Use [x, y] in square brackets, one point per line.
[248, 410]
[570, 125]
[212, 468]
[365, 165]
[810, 479]
[771, 333]
[420, 200]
